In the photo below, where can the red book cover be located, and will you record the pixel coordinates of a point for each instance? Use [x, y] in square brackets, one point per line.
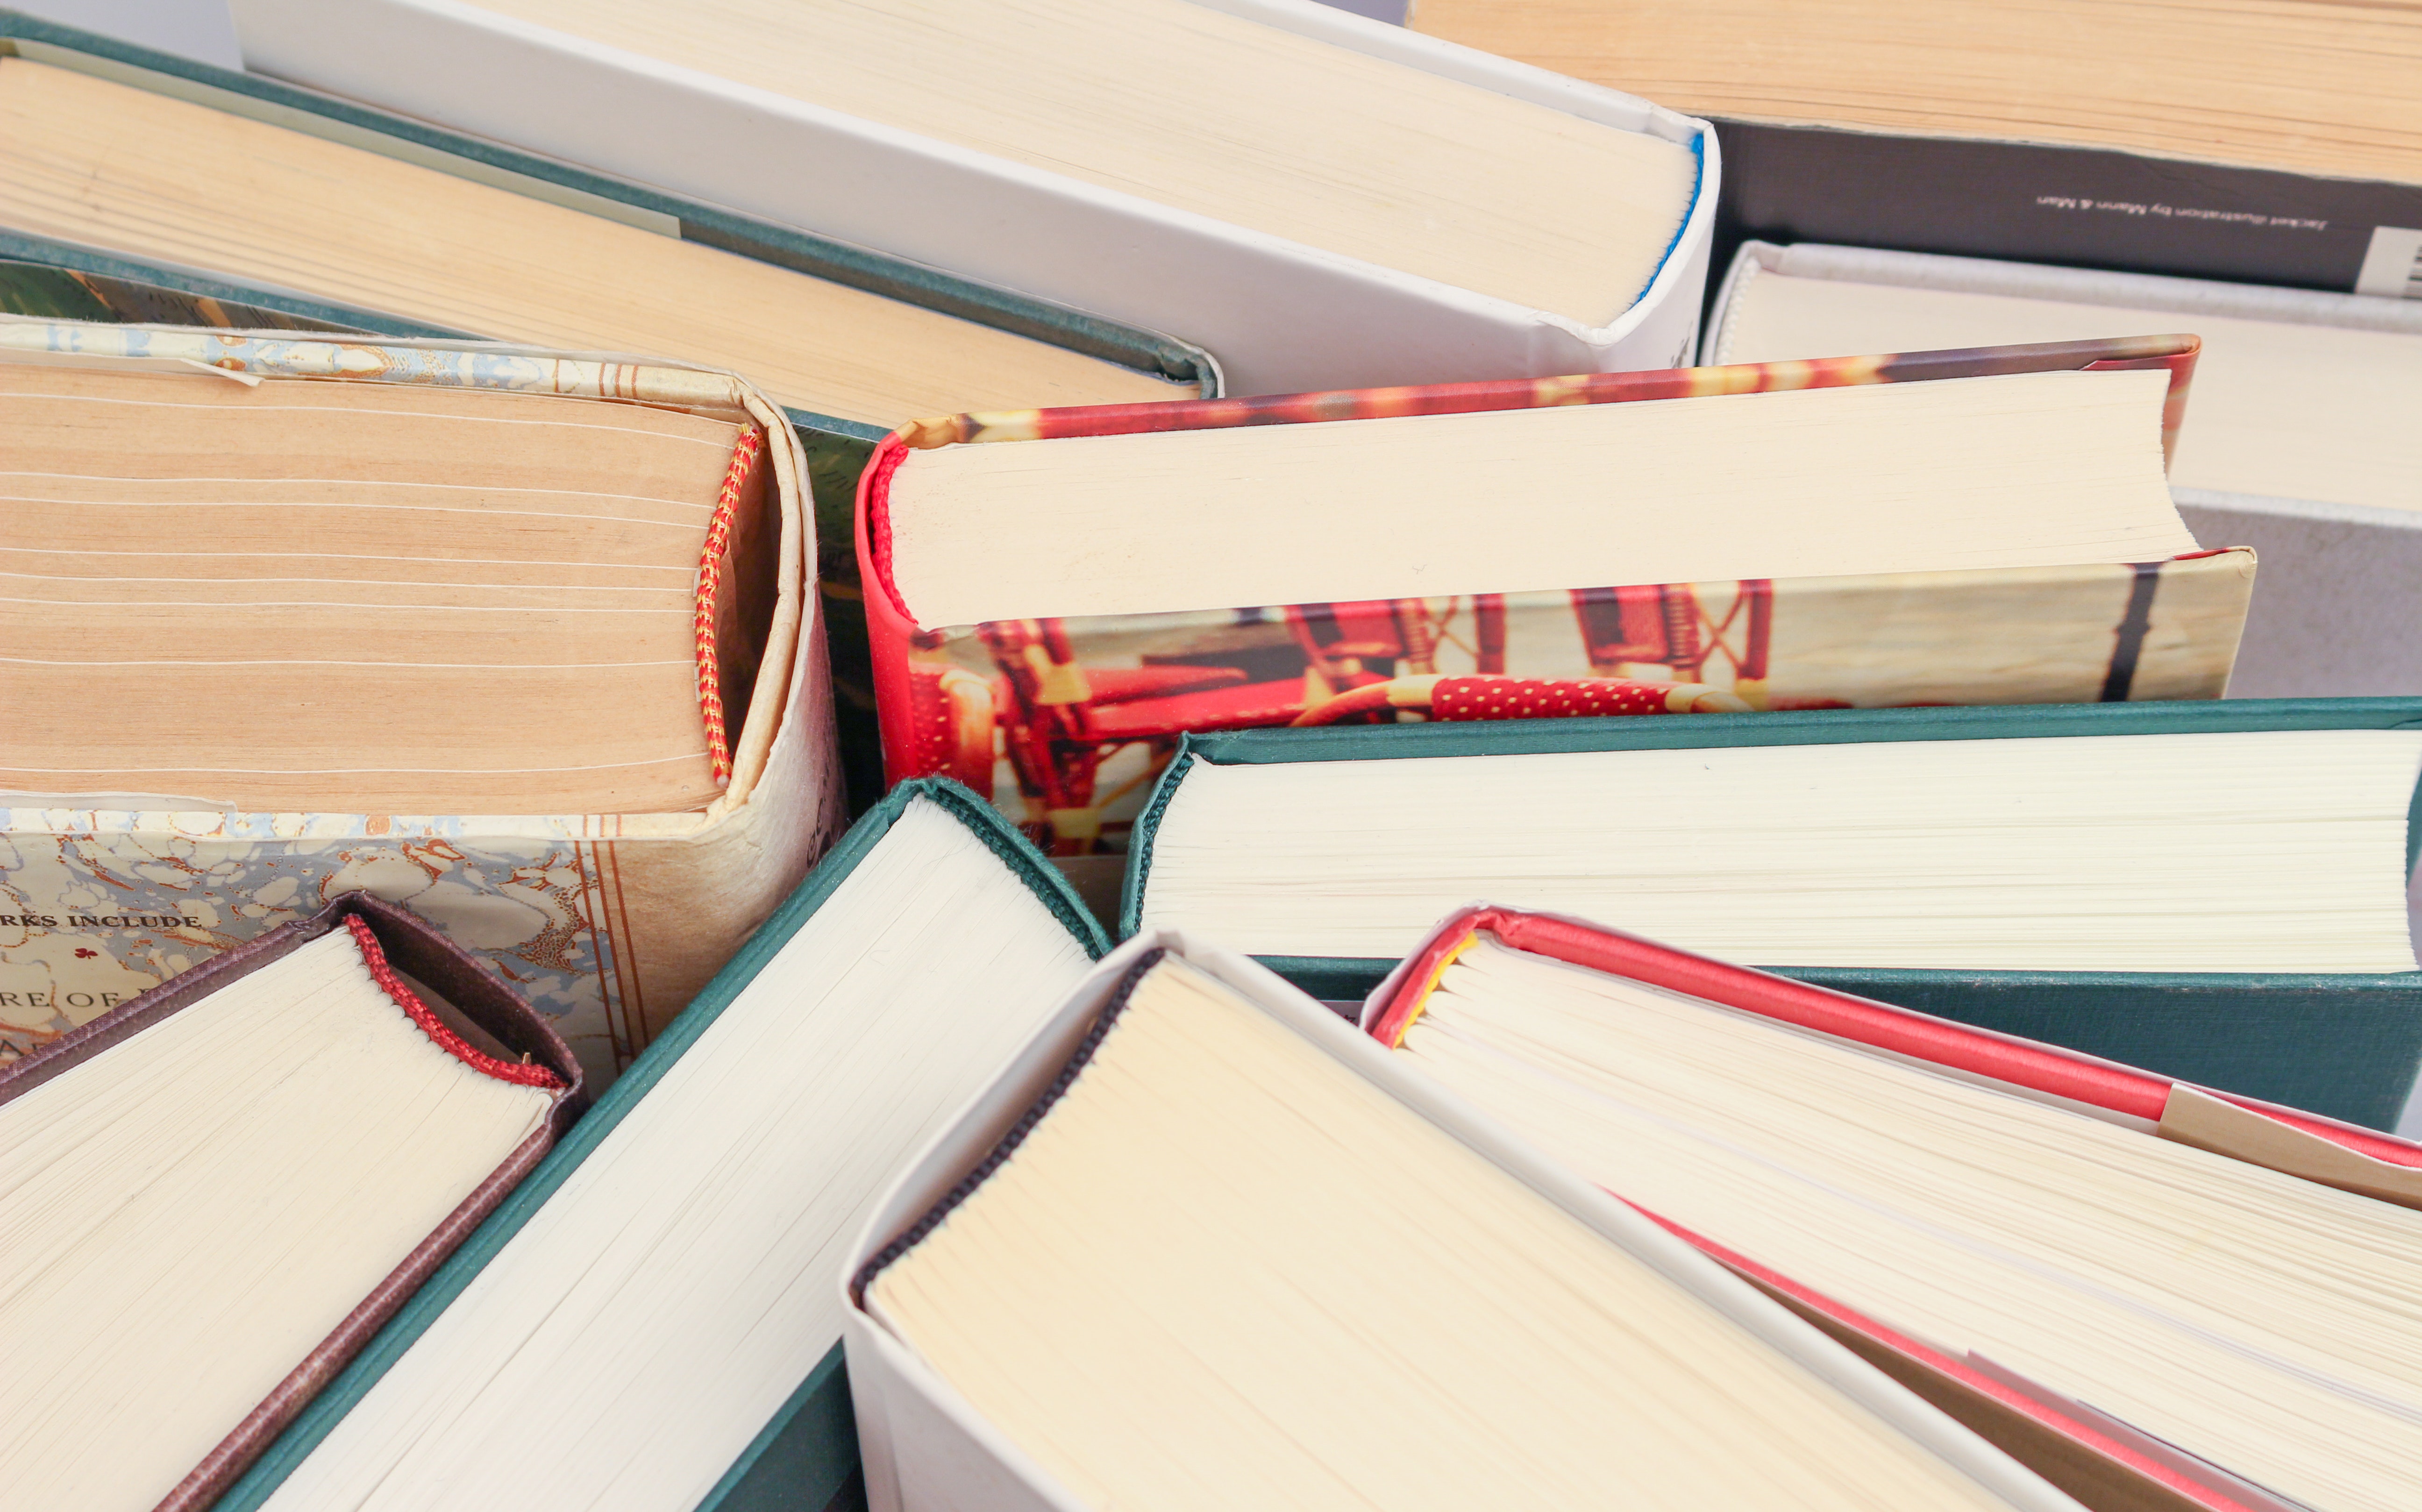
[1065, 722]
[2104, 1462]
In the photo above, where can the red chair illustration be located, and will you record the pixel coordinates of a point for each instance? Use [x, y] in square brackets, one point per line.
[1057, 721]
[1354, 643]
[1668, 625]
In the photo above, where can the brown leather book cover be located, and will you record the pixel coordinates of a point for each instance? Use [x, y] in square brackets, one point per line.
[394, 945]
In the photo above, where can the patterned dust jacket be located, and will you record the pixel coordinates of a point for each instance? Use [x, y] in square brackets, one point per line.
[606, 922]
[1066, 721]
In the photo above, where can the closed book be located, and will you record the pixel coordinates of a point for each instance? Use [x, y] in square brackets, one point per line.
[55, 293]
[1854, 532]
[2297, 449]
[380, 222]
[221, 1188]
[664, 1289]
[1579, 1034]
[2081, 133]
[521, 640]
[1201, 1245]
[1256, 175]
[2132, 881]
[836, 332]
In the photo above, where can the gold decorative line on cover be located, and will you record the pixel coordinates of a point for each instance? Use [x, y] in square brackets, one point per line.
[710, 586]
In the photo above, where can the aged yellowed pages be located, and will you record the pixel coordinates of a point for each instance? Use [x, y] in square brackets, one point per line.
[365, 597]
[121, 168]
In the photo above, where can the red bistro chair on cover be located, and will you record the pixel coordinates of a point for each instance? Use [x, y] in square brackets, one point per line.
[1060, 720]
[1342, 642]
[1666, 625]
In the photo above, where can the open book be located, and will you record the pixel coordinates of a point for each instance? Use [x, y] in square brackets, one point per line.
[1958, 527]
[1203, 1246]
[519, 640]
[664, 1294]
[2116, 878]
[2182, 1288]
[217, 1193]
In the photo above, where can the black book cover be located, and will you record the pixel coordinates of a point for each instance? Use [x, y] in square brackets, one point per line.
[2091, 207]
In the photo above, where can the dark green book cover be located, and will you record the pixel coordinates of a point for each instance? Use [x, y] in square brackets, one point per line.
[805, 1457]
[2345, 1045]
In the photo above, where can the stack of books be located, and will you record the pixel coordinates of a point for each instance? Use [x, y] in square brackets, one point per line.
[1083, 754]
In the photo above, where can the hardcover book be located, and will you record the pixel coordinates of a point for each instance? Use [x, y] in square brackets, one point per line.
[2216, 891]
[122, 149]
[519, 640]
[665, 1290]
[1200, 1245]
[1882, 531]
[2019, 1233]
[30, 287]
[2300, 448]
[1323, 201]
[2091, 133]
[374, 222]
[219, 1192]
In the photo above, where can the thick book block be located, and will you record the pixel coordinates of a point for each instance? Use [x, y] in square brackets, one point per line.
[1071, 713]
[1282, 314]
[1480, 968]
[1102, 358]
[2086, 132]
[930, 1442]
[608, 921]
[2296, 447]
[390, 941]
[1147, 357]
[2347, 1045]
[800, 1452]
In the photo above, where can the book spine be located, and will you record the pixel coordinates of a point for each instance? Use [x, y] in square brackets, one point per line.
[890, 633]
[2095, 207]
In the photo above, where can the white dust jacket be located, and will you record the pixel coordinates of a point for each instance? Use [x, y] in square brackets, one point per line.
[1280, 317]
[925, 1447]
